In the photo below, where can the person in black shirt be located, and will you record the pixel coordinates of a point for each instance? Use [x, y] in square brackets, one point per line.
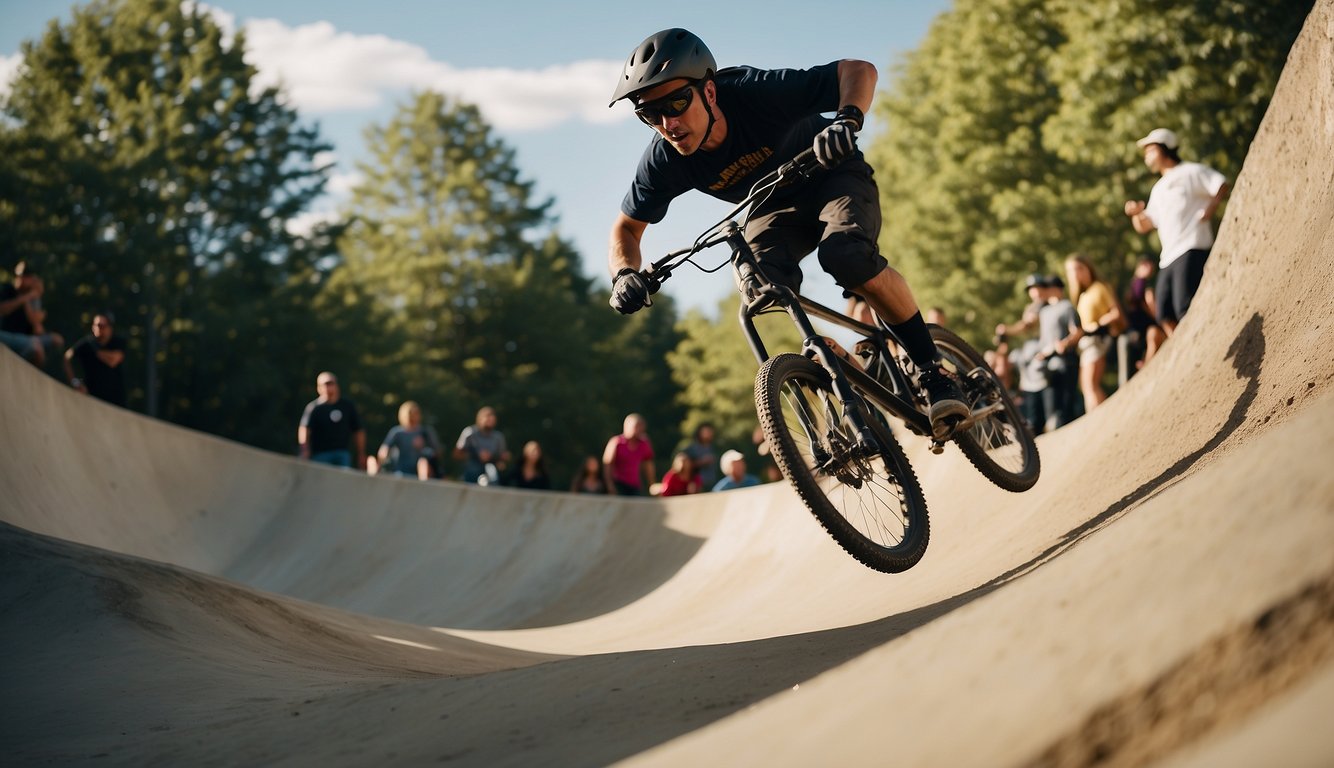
[532, 470]
[328, 424]
[22, 317]
[720, 130]
[100, 355]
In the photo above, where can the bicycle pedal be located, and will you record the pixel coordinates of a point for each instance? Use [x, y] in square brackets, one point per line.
[945, 428]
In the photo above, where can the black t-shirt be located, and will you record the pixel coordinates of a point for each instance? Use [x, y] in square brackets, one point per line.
[103, 381]
[537, 482]
[330, 426]
[17, 320]
[771, 116]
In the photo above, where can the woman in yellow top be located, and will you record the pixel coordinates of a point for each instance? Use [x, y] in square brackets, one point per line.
[1100, 319]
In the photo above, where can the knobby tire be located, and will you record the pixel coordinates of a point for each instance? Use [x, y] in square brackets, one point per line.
[1001, 446]
[872, 506]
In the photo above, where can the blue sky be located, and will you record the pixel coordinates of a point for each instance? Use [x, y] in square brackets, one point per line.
[542, 74]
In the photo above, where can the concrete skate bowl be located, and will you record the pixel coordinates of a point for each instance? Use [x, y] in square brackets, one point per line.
[1165, 595]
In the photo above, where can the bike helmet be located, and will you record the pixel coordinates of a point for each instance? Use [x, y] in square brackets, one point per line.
[662, 57]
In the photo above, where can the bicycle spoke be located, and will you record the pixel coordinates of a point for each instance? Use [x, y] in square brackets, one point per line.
[869, 502]
[876, 508]
[998, 443]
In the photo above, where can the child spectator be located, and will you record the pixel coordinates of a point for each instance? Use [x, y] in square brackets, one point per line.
[1032, 384]
[681, 479]
[532, 470]
[1058, 326]
[590, 478]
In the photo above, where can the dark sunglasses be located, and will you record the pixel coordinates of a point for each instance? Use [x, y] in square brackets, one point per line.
[672, 105]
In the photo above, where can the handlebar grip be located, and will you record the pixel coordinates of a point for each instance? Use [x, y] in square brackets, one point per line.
[800, 165]
[804, 159]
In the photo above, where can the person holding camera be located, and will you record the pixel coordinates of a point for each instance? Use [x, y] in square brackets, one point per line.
[1050, 360]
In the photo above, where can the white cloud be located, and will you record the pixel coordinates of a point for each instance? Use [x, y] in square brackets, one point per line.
[323, 70]
[303, 224]
[9, 67]
[341, 183]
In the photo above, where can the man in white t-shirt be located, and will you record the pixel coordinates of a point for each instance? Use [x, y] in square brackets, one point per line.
[1181, 207]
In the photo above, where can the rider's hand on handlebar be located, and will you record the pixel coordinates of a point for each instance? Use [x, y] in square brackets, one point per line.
[631, 290]
[839, 139]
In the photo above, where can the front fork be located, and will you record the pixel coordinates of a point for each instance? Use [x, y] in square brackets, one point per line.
[816, 348]
[757, 295]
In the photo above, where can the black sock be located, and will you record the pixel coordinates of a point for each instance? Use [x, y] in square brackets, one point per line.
[917, 341]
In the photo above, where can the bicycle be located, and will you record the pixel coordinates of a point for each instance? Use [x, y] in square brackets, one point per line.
[829, 417]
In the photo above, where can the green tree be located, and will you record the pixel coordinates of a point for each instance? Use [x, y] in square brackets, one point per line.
[964, 138]
[446, 240]
[148, 175]
[1010, 133]
[1205, 69]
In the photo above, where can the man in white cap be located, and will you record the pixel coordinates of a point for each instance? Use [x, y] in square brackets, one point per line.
[734, 467]
[1181, 207]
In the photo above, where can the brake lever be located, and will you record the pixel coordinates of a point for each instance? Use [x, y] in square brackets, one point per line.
[654, 277]
[800, 167]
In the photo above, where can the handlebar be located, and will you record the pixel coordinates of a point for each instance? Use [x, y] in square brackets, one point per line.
[799, 168]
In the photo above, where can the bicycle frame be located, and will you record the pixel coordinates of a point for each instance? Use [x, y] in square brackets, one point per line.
[760, 294]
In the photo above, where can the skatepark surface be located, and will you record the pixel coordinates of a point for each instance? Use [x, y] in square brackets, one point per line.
[1163, 596]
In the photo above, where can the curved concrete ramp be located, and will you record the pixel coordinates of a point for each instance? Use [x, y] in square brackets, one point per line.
[1165, 594]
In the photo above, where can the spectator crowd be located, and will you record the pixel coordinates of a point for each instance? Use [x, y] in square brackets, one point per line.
[93, 365]
[1054, 359]
[330, 432]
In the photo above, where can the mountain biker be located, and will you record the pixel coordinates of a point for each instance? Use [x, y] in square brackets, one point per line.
[720, 130]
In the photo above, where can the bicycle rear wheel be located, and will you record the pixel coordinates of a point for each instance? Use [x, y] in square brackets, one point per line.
[1000, 445]
[872, 505]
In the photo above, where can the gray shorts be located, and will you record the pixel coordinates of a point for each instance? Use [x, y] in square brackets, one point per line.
[27, 345]
[837, 212]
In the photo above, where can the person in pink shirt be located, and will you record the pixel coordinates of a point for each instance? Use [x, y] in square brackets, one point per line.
[628, 458]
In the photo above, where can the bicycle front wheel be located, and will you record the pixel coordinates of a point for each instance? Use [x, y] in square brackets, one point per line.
[1000, 444]
[871, 505]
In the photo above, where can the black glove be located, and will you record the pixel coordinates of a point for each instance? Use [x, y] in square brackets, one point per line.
[630, 291]
[839, 139]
